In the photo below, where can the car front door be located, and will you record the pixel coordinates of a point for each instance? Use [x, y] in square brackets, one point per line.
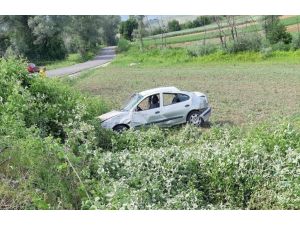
[147, 112]
[176, 106]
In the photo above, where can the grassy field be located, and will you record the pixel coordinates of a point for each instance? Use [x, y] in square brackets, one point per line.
[238, 92]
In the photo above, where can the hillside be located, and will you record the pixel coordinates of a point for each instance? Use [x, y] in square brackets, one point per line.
[209, 32]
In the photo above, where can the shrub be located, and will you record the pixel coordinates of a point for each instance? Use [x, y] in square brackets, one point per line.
[201, 50]
[296, 42]
[275, 31]
[279, 34]
[173, 25]
[37, 170]
[245, 43]
[281, 46]
[123, 45]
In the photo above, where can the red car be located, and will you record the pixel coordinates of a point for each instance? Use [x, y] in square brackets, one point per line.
[32, 68]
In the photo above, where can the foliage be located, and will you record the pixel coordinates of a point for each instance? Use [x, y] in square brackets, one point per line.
[123, 45]
[227, 168]
[201, 50]
[247, 49]
[37, 170]
[245, 43]
[173, 25]
[224, 167]
[157, 30]
[281, 46]
[202, 21]
[296, 42]
[127, 27]
[275, 31]
[110, 26]
[52, 37]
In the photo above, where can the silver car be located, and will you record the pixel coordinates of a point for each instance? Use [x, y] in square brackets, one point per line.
[164, 106]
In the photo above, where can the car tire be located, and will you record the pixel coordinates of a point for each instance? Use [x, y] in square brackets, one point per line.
[194, 118]
[120, 128]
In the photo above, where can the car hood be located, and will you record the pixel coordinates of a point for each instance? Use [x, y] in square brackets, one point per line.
[110, 115]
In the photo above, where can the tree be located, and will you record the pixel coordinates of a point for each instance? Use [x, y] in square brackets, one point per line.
[232, 25]
[19, 34]
[201, 21]
[127, 27]
[222, 34]
[173, 25]
[110, 26]
[47, 33]
[141, 30]
[275, 31]
[52, 37]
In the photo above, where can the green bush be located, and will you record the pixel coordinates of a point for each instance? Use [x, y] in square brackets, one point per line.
[296, 42]
[245, 43]
[202, 50]
[281, 46]
[224, 168]
[123, 45]
[39, 171]
[173, 25]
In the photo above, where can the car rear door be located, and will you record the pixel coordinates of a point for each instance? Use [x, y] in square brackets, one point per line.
[176, 106]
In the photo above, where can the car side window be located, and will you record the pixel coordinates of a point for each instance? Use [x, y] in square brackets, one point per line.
[151, 102]
[173, 98]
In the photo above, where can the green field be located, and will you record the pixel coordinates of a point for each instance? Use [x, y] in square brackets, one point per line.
[238, 92]
[197, 34]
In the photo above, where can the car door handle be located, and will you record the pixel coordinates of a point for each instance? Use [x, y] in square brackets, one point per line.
[186, 105]
[157, 112]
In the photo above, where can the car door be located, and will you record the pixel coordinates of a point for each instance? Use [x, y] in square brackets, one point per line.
[147, 112]
[176, 106]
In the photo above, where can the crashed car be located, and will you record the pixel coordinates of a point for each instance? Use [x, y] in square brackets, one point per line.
[164, 106]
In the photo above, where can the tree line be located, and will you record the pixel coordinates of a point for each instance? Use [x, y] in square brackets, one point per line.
[53, 37]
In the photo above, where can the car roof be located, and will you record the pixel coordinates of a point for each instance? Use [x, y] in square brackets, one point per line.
[158, 90]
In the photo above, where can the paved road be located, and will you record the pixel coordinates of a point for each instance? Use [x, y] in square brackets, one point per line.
[106, 55]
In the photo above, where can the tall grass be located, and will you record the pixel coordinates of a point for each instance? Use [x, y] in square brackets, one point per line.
[173, 56]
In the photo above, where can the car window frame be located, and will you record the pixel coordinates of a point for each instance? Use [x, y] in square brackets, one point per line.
[160, 105]
[189, 97]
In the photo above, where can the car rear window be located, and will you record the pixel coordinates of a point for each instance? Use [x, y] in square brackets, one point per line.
[173, 98]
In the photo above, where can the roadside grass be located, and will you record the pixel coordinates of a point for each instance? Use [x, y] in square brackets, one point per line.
[173, 56]
[239, 93]
[70, 60]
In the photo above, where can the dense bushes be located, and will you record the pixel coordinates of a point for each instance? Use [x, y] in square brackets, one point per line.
[123, 45]
[36, 116]
[186, 169]
[202, 50]
[173, 25]
[245, 43]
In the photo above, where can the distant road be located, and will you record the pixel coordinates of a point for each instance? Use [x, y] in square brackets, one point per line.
[106, 55]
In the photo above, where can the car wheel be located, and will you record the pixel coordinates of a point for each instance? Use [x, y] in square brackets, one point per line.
[120, 128]
[194, 118]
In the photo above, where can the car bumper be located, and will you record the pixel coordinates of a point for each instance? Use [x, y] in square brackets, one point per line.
[206, 114]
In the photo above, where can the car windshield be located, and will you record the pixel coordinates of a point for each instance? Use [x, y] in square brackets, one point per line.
[132, 101]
